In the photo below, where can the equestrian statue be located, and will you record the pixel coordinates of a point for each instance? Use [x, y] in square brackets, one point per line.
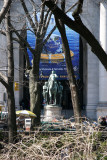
[52, 89]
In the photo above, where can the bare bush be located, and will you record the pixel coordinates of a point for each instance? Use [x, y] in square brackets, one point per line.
[86, 143]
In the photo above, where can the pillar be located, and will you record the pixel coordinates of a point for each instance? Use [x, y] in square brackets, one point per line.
[102, 106]
[92, 95]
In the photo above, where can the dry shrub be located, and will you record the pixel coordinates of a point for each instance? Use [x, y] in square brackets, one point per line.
[82, 144]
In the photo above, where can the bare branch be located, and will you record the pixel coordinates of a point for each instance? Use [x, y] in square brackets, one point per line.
[22, 39]
[28, 16]
[9, 49]
[4, 9]
[41, 19]
[4, 33]
[42, 14]
[25, 52]
[22, 45]
[3, 80]
[35, 15]
[78, 10]
[71, 7]
[46, 15]
[23, 34]
[45, 26]
[49, 35]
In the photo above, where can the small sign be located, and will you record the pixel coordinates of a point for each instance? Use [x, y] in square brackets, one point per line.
[0, 108]
[16, 86]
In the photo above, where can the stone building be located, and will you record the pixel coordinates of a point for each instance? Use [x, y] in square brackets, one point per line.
[94, 76]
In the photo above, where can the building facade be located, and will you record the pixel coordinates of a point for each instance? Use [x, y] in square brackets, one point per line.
[94, 76]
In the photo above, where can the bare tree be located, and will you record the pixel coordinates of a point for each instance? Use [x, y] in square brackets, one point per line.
[10, 90]
[4, 9]
[70, 71]
[9, 81]
[39, 28]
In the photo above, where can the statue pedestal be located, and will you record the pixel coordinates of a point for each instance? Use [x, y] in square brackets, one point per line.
[52, 112]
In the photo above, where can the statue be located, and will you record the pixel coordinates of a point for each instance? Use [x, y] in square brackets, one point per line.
[45, 92]
[52, 90]
[52, 93]
[52, 76]
[52, 86]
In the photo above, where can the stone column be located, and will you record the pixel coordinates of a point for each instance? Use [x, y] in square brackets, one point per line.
[102, 106]
[92, 94]
[16, 75]
[90, 61]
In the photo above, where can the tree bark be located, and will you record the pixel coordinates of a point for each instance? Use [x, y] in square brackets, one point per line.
[10, 89]
[12, 136]
[34, 88]
[4, 9]
[70, 71]
[34, 84]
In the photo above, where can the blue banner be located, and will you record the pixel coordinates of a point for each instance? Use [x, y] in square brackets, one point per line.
[52, 56]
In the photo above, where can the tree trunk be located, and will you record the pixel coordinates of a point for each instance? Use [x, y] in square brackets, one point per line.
[34, 88]
[10, 89]
[70, 71]
[11, 116]
[34, 84]
[71, 78]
